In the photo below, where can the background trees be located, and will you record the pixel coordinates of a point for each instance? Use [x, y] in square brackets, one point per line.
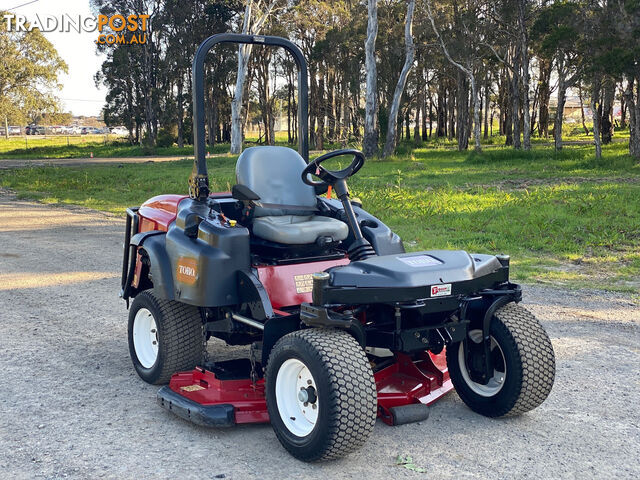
[520, 61]
[29, 69]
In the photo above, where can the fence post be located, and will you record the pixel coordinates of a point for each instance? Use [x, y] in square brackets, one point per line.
[6, 128]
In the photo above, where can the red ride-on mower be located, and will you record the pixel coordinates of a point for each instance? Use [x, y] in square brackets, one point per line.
[344, 326]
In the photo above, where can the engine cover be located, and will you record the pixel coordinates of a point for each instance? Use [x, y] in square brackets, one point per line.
[415, 269]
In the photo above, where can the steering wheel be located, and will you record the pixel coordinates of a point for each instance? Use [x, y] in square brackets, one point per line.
[330, 177]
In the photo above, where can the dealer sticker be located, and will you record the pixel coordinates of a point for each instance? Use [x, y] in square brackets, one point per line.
[192, 388]
[441, 290]
[420, 261]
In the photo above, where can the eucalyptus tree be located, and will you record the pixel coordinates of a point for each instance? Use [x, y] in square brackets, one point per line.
[256, 14]
[468, 34]
[390, 141]
[558, 31]
[370, 142]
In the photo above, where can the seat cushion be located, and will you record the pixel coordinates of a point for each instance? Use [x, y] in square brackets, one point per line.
[298, 230]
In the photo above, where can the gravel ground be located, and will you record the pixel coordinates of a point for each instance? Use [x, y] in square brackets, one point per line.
[72, 406]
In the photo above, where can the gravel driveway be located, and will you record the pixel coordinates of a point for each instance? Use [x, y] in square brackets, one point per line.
[71, 404]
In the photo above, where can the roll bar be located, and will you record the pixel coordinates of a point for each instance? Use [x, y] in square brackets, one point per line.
[199, 180]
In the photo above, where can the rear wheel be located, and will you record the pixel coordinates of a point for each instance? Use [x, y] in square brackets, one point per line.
[523, 365]
[321, 394]
[165, 337]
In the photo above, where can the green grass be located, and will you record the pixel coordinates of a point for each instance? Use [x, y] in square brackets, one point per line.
[564, 217]
[101, 146]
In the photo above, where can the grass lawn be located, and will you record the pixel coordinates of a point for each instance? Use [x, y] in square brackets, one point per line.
[564, 217]
[102, 146]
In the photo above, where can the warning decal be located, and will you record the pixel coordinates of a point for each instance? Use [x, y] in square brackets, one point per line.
[304, 283]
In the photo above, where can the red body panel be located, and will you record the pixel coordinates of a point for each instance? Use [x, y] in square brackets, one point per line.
[280, 283]
[407, 381]
[402, 383]
[158, 212]
[247, 399]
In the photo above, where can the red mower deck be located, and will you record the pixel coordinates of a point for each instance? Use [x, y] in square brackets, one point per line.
[198, 396]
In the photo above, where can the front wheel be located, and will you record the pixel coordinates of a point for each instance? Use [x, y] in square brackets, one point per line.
[321, 394]
[523, 365]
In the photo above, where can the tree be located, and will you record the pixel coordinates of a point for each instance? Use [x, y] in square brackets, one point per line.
[370, 142]
[254, 20]
[558, 31]
[29, 73]
[468, 70]
[390, 141]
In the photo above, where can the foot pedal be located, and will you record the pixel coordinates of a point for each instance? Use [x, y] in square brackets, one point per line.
[415, 412]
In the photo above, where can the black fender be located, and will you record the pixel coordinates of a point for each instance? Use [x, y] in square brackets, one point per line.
[274, 329]
[486, 306]
[153, 245]
[252, 292]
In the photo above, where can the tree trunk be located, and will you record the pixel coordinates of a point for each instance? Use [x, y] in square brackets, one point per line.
[237, 135]
[507, 107]
[370, 142]
[515, 99]
[431, 117]
[180, 112]
[524, 49]
[331, 106]
[390, 141]
[462, 111]
[249, 26]
[451, 104]
[321, 108]
[608, 96]
[584, 124]
[544, 97]
[633, 104]
[562, 98]
[416, 129]
[623, 107]
[595, 96]
[425, 134]
[440, 110]
[487, 98]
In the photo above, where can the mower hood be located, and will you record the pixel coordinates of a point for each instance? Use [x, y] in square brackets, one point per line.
[414, 269]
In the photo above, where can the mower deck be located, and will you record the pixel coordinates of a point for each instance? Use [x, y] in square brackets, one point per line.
[220, 400]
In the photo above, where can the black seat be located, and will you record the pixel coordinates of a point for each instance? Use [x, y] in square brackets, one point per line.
[286, 211]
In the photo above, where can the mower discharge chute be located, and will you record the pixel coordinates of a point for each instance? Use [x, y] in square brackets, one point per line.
[343, 325]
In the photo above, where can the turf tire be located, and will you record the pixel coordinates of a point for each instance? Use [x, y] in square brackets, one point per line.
[180, 337]
[530, 365]
[346, 393]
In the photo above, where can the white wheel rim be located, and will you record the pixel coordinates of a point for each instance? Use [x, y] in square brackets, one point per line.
[145, 338]
[496, 382]
[294, 384]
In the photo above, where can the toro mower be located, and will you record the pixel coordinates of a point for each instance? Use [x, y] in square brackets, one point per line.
[343, 325]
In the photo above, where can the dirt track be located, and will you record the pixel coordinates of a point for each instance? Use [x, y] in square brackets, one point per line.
[72, 406]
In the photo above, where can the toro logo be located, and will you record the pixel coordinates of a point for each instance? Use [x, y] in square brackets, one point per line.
[441, 290]
[187, 270]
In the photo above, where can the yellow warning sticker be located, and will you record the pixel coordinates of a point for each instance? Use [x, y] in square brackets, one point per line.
[304, 283]
[192, 388]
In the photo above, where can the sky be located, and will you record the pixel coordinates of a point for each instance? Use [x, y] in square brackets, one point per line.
[79, 94]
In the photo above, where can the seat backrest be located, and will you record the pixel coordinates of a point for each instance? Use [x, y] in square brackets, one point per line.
[274, 174]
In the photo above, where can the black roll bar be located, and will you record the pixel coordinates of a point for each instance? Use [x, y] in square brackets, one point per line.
[199, 180]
